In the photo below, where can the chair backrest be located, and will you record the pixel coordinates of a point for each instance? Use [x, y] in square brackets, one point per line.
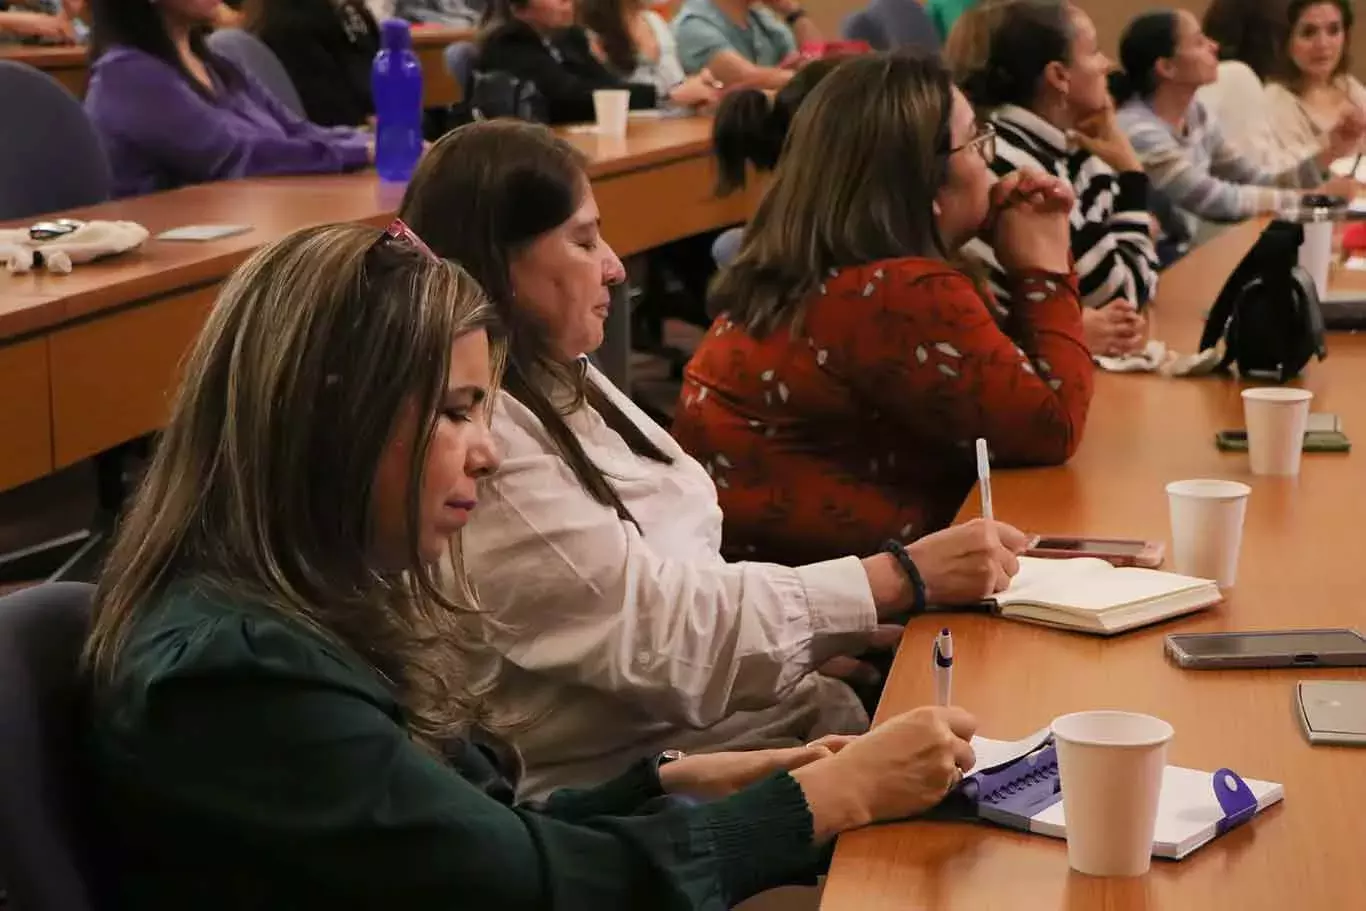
[51, 157]
[42, 841]
[460, 57]
[251, 55]
[898, 24]
[861, 25]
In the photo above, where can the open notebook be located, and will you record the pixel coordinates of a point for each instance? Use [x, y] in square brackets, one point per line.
[1016, 784]
[1090, 595]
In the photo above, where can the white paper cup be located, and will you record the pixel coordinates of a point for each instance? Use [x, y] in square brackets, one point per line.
[611, 107]
[1276, 417]
[1316, 253]
[1111, 765]
[1207, 528]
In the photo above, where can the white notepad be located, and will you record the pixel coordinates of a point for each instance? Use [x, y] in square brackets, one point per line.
[1090, 595]
[1188, 813]
[1188, 810]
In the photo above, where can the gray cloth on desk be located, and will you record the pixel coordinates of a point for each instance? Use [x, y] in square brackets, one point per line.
[454, 13]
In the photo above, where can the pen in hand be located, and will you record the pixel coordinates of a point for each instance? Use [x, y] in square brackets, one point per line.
[943, 667]
[984, 478]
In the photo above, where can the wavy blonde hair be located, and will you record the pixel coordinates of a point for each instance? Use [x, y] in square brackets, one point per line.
[261, 485]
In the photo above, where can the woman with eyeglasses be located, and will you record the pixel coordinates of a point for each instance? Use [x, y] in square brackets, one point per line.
[1043, 80]
[837, 397]
[288, 687]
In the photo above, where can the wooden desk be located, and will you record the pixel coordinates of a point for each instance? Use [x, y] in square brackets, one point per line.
[107, 339]
[1300, 565]
[70, 66]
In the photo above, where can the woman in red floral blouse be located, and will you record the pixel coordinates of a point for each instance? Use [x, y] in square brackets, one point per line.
[836, 399]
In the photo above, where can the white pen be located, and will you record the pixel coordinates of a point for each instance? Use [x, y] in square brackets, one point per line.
[943, 667]
[984, 478]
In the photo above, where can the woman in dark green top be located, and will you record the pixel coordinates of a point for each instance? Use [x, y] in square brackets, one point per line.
[286, 708]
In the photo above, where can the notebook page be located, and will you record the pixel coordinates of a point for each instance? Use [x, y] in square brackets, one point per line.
[1187, 811]
[1085, 584]
[993, 753]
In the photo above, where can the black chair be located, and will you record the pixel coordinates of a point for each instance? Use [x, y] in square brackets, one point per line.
[42, 855]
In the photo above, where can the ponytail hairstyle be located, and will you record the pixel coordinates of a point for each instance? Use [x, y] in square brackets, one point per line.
[1146, 40]
[1023, 38]
[751, 129]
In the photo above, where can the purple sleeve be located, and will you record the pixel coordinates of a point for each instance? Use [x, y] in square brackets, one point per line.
[150, 106]
[296, 126]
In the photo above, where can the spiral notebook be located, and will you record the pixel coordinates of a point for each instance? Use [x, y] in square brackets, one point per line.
[1016, 784]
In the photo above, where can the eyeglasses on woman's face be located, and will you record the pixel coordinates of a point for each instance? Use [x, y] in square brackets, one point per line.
[983, 141]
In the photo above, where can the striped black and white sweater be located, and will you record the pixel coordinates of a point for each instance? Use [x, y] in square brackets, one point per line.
[1111, 244]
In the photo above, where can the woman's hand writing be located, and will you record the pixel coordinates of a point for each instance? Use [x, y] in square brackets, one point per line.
[900, 768]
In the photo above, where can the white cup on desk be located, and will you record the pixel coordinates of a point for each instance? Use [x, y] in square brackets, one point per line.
[1111, 766]
[612, 108]
[1275, 417]
[1207, 527]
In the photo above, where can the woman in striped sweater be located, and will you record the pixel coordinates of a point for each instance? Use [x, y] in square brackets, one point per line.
[1195, 173]
[1042, 76]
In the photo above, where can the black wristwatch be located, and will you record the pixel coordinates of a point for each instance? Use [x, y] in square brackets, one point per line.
[903, 559]
[792, 17]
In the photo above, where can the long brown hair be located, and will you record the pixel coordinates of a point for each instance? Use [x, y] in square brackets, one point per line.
[1251, 31]
[480, 195]
[863, 162]
[1286, 72]
[608, 19]
[261, 484]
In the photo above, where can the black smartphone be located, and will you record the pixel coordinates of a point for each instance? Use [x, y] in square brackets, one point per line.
[1314, 441]
[1274, 648]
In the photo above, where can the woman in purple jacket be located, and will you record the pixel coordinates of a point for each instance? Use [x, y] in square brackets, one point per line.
[171, 113]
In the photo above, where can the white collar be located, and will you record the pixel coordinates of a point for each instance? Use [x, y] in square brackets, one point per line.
[1031, 123]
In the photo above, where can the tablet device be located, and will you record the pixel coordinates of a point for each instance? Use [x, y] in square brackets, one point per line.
[1332, 711]
[1273, 648]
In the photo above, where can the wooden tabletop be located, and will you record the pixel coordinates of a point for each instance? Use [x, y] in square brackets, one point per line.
[1300, 566]
[275, 206]
[70, 66]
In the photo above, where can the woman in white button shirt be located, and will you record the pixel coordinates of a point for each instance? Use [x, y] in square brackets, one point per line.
[595, 550]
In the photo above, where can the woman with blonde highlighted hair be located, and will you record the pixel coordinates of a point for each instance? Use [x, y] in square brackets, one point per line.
[285, 705]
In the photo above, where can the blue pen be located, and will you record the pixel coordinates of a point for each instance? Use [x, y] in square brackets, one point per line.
[943, 667]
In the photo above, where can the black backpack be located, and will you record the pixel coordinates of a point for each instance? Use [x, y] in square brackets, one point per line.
[493, 93]
[1268, 312]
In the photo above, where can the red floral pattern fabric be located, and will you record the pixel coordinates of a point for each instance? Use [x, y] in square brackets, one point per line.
[860, 426]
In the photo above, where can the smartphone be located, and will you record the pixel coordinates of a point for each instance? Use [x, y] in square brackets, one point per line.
[1332, 711]
[1116, 551]
[1274, 648]
[1314, 441]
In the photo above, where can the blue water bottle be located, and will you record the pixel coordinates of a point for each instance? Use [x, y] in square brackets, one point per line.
[396, 82]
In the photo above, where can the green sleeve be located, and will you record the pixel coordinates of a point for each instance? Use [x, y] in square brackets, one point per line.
[269, 745]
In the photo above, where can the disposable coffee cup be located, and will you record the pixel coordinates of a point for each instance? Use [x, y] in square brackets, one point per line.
[1207, 528]
[1276, 417]
[1316, 253]
[1111, 766]
[611, 107]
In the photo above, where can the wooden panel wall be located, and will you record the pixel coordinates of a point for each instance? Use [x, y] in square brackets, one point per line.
[1110, 15]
